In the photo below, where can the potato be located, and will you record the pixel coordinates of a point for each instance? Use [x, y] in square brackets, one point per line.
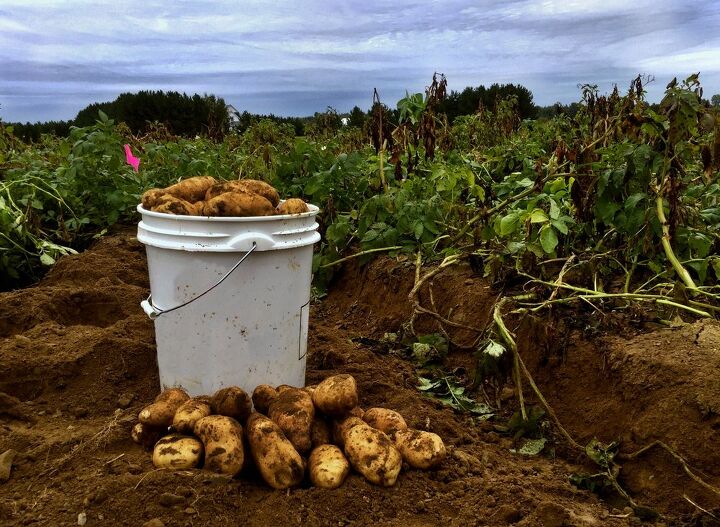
[150, 197]
[262, 396]
[281, 388]
[245, 185]
[292, 206]
[336, 395]
[328, 467]
[342, 427]
[293, 412]
[188, 414]
[171, 205]
[198, 208]
[320, 432]
[263, 189]
[279, 463]
[162, 411]
[146, 435]
[223, 442]
[373, 454]
[238, 204]
[356, 412]
[192, 189]
[420, 449]
[177, 452]
[231, 402]
[388, 421]
[310, 389]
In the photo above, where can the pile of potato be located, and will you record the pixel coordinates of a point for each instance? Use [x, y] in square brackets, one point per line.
[205, 196]
[320, 428]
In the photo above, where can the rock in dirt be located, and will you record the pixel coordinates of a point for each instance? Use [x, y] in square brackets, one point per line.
[82, 519]
[168, 500]
[125, 400]
[155, 522]
[509, 514]
[6, 461]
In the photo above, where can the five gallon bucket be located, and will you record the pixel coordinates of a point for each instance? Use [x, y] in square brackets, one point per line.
[229, 297]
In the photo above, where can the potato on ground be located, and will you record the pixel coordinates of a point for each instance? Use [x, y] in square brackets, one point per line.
[320, 432]
[171, 205]
[189, 413]
[262, 396]
[162, 411]
[336, 396]
[238, 203]
[328, 467]
[223, 442]
[279, 463]
[233, 402]
[260, 188]
[356, 412]
[177, 452]
[420, 449]
[147, 435]
[342, 427]
[388, 421]
[373, 455]
[293, 412]
[192, 189]
[292, 206]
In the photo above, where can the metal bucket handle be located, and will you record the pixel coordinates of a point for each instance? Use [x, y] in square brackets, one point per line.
[153, 311]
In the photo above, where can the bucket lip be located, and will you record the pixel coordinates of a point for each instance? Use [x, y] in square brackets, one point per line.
[314, 209]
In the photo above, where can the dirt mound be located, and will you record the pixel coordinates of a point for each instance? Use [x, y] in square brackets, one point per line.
[77, 361]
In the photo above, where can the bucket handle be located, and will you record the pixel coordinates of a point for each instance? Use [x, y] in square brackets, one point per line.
[153, 311]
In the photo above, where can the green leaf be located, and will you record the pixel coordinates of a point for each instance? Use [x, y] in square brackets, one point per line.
[450, 393]
[509, 223]
[538, 216]
[494, 349]
[633, 200]
[548, 239]
[532, 447]
[554, 209]
[103, 116]
[560, 225]
[46, 259]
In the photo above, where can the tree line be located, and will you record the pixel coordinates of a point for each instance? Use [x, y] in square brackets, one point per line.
[191, 115]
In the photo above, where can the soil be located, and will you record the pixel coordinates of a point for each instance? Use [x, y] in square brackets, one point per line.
[77, 363]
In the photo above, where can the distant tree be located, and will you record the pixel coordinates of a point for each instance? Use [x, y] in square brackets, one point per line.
[715, 100]
[182, 114]
[357, 117]
[471, 99]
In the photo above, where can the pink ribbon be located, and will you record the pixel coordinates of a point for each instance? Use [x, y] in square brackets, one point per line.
[131, 159]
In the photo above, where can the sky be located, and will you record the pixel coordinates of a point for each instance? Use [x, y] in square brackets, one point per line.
[298, 57]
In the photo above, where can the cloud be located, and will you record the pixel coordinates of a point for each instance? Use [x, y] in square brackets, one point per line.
[296, 58]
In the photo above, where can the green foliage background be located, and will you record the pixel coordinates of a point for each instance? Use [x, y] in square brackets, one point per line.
[514, 191]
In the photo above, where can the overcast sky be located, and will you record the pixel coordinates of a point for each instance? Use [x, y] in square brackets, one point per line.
[297, 57]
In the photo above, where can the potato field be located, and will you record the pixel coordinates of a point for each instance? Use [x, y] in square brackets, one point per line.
[512, 322]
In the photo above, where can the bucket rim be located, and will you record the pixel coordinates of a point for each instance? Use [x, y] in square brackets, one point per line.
[314, 209]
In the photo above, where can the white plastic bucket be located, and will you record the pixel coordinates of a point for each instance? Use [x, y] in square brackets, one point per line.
[249, 330]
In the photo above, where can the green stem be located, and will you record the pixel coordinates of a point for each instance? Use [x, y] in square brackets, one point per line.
[679, 269]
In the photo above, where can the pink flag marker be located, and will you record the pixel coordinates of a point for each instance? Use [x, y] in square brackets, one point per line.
[131, 159]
